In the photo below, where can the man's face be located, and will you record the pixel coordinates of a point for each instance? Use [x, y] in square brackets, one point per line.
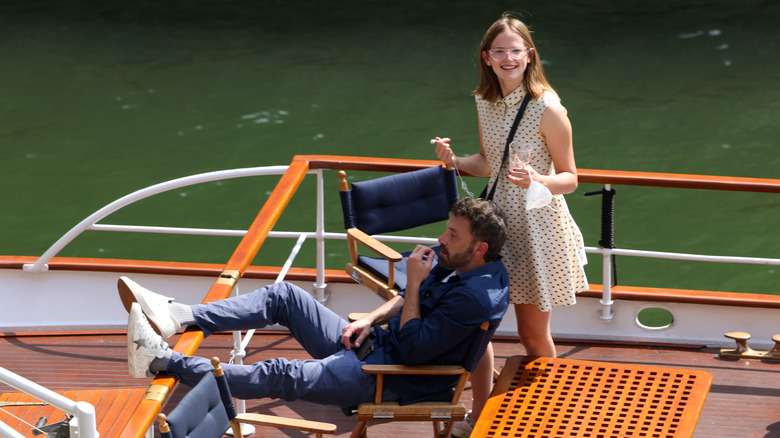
[457, 244]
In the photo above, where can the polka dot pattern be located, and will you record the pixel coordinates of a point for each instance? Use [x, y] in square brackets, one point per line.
[544, 254]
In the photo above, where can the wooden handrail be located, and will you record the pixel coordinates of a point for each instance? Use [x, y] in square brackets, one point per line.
[596, 176]
[680, 181]
[365, 163]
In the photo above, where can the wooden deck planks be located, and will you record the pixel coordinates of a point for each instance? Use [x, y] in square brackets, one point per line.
[112, 409]
[744, 400]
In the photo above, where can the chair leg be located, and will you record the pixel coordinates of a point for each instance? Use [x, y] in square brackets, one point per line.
[440, 432]
[360, 430]
[447, 429]
[436, 429]
[236, 426]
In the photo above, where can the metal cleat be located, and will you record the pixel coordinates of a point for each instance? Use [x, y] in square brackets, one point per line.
[743, 350]
[774, 353]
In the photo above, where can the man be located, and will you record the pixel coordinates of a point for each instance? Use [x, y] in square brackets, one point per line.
[432, 322]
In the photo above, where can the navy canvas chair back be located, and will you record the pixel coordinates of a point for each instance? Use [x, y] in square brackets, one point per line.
[201, 413]
[391, 203]
[401, 201]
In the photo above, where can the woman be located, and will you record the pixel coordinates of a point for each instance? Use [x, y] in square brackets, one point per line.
[544, 253]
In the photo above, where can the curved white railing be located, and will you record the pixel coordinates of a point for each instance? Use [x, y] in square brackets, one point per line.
[90, 222]
[83, 413]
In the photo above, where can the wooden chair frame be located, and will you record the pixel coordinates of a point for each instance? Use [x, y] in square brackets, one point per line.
[443, 415]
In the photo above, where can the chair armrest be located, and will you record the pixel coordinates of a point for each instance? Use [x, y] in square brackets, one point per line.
[441, 370]
[378, 247]
[286, 423]
[354, 316]
[437, 370]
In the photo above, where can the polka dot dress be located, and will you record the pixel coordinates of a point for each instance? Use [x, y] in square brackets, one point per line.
[544, 253]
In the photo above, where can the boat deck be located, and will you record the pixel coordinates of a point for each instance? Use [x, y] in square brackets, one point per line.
[744, 400]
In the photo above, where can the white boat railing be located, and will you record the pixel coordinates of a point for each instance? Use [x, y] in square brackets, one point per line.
[91, 223]
[607, 253]
[82, 425]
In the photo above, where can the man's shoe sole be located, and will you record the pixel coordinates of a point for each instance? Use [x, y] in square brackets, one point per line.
[128, 298]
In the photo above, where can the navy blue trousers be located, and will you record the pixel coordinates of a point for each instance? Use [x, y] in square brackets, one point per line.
[332, 377]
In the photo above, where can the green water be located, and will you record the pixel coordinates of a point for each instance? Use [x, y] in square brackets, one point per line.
[99, 99]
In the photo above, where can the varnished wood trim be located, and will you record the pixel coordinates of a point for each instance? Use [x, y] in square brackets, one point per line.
[339, 162]
[676, 180]
[597, 176]
[738, 299]
[169, 268]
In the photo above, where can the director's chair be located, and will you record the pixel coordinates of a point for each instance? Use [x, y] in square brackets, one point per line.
[207, 411]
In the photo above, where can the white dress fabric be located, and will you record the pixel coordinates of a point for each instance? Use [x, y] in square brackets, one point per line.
[544, 253]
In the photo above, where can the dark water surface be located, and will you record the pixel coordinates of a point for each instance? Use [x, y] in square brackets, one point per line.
[99, 99]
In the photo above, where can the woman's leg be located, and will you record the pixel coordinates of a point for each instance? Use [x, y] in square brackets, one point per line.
[533, 328]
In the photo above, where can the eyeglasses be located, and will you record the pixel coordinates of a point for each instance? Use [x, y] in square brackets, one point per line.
[501, 54]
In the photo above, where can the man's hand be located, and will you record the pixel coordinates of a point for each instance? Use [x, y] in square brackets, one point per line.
[419, 265]
[353, 335]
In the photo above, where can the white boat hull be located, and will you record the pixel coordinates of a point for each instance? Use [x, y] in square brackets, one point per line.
[59, 300]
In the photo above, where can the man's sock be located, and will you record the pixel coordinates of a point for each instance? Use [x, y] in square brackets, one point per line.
[182, 313]
[160, 364]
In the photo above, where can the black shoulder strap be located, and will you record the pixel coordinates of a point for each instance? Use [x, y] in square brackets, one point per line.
[509, 138]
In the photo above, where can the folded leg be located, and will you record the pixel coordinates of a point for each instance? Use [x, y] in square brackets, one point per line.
[314, 326]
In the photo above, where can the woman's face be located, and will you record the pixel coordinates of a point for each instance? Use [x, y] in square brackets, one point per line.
[508, 57]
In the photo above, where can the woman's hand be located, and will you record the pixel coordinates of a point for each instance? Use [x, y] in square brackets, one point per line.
[443, 151]
[522, 176]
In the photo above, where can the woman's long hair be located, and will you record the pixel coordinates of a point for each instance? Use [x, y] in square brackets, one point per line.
[534, 81]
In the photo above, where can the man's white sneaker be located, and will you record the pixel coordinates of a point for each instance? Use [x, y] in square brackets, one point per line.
[154, 306]
[143, 344]
[462, 429]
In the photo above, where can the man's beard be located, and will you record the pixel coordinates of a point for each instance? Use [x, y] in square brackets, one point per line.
[455, 261]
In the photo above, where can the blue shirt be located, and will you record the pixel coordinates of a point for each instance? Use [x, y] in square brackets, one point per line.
[450, 315]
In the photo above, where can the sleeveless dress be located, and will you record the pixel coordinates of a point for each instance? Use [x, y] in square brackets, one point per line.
[544, 253]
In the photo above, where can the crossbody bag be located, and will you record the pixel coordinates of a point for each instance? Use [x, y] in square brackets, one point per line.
[488, 194]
